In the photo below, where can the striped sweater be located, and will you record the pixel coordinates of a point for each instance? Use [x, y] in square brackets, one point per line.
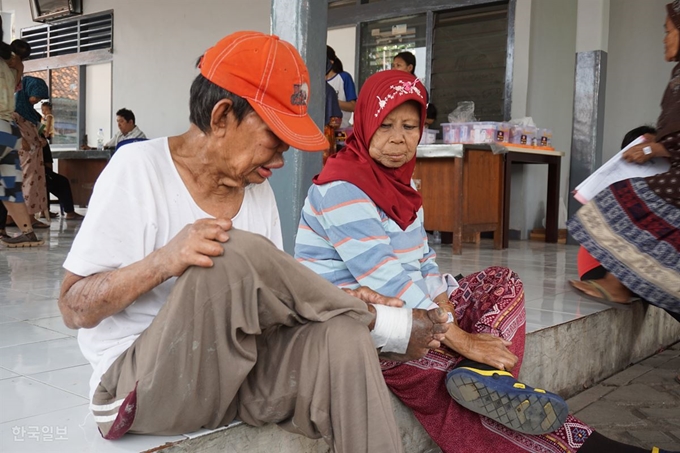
[344, 237]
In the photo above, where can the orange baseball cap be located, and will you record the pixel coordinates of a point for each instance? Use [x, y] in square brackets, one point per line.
[270, 74]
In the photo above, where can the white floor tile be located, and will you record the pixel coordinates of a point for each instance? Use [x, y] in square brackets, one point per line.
[23, 397]
[4, 319]
[43, 308]
[39, 357]
[74, 380]
[6, 374]
[55, 323]
[81, 435]
[17, 333]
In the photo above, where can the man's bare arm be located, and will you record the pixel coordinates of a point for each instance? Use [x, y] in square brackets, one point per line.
[85, 301]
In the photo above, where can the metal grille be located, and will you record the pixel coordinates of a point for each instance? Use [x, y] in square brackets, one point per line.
[86, 33]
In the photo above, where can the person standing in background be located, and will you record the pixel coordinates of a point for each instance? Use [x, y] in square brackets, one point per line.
[342, 83]
[11, 195]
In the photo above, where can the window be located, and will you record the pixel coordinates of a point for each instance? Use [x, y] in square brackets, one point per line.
[70, 49]
[382, 40]
[64, 94]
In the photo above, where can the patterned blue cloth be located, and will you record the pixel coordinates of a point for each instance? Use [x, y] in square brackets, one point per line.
[635, 235]
[11, 176]
[30, 87]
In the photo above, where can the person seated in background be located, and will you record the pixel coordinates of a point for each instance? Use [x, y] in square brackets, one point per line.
[189, 323]
[362, 225]
[431, 114]
[59, 186]
[127, 128]
[588, 267]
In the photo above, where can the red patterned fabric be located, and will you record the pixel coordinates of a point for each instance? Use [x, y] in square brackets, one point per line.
[492, 302]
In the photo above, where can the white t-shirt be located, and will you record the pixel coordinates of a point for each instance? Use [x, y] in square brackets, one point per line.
[138, 205]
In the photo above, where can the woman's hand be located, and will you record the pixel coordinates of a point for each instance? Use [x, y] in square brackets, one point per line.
[644, 152]
[369, 296]
[481, 347]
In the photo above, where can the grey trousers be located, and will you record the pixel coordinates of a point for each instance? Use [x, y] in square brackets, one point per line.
[260, 337]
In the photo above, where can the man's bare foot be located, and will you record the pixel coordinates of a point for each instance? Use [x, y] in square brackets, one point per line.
[73, 216]
[428, 329]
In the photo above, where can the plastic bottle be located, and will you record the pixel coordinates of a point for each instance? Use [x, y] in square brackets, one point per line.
[100, 139]
[436, 237]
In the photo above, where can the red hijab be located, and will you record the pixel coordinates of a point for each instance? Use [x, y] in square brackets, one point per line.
[389, 188]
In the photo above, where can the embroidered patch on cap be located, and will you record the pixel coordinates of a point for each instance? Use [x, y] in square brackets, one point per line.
[300, 94]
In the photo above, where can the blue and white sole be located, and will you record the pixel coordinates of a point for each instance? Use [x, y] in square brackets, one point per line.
[497, 394]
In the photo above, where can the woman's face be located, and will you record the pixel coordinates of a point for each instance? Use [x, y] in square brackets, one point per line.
[400, 65]
[671, 41]
[396, 140]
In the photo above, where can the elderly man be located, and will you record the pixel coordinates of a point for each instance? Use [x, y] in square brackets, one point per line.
[127, 129]
[189, 323]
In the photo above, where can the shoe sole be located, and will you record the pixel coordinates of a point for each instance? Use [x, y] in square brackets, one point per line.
[521, 409]
[24, 244]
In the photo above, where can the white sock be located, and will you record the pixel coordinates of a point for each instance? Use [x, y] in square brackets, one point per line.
[392, 330]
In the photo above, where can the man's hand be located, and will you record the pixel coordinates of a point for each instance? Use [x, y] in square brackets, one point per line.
[193, 246]
[369, 296]
[487, 349]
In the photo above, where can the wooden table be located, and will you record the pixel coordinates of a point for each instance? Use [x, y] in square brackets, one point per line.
[466, 189]
[81, 168]
[536, 156]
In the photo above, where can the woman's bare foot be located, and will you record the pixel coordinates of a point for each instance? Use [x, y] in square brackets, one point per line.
[608, 288]
[428, 329]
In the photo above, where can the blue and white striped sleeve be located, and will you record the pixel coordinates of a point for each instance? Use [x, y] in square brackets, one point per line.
[357, 233]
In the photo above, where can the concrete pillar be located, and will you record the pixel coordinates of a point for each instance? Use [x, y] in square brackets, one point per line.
[303, 23]
[592, 35]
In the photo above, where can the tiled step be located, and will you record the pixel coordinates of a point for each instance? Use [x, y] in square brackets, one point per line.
[566, 359]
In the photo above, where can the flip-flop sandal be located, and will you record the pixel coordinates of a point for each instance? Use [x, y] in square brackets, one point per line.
[606, 298]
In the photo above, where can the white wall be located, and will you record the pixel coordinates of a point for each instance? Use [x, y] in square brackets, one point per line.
[343, 41]
[550, 101]
[156, 45]
[637, 74]
[98, 102]
[543, 88]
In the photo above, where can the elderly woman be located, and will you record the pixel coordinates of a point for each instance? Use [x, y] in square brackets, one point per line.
[362, 225]
[632, 227]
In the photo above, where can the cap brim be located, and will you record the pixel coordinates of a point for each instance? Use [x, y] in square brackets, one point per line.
[298, 131]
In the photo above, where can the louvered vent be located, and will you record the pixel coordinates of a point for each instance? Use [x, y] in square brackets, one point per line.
[71, 36]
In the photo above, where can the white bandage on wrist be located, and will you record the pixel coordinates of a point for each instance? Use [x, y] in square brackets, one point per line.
[392, 330]
[647, 150]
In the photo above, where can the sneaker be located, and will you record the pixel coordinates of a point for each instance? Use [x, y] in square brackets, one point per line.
[498, 395]
[23, 240]
[3, 234]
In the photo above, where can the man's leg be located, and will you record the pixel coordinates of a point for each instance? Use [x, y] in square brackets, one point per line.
[322, 380]
[185, 370]
[59, 186]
